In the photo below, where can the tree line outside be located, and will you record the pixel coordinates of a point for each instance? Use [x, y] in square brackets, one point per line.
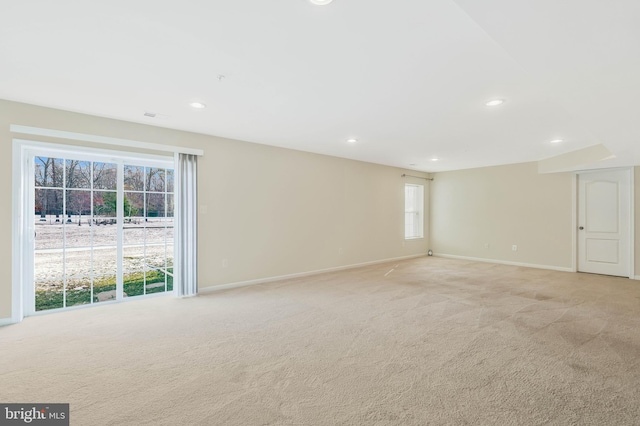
[54, 175]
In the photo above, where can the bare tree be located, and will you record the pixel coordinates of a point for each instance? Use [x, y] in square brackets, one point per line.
[79, 203]
[104, 176]
[48, 174]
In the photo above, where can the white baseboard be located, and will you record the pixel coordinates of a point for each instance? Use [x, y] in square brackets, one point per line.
[5, 321]
[301, 274]
[637, 277]
[505, 262]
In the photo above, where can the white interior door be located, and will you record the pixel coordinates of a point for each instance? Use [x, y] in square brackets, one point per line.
[604, 222]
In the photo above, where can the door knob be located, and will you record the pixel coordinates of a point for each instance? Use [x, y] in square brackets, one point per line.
[581, 228]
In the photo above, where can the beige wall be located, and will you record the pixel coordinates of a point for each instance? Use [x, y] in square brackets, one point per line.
[507, 205]
[268, 211]
[502, 206]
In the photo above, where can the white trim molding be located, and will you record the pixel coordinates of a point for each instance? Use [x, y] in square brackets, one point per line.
[61, 134]
[632, 224]
[505, 262]
[6, 321]
[574, 223]
[213, 288]
[17, 230]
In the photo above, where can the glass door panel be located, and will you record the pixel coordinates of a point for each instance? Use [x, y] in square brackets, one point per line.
[49, 279]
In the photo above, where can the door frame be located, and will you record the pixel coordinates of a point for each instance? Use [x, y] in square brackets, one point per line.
[22, 229]
[575, 212]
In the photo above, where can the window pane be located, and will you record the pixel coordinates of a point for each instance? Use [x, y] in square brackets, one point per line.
[169, 178]
[170, 206]
[104, 288]
[105, 261]
[155, 281]
[133, 178]
[133, 258]
[105, 206]
[104, 233]
[104, 223]
[78, 174]
[48, 204]
[48, 172]
[78, 206]
[133, 207]
[105, 176]
[48, 236]
[414, 206]
[155, 179]
[170, 279]
[409, 225]
[155, 235]
[77, 263]
[409, 200]
[48, 209]
[48, 265]
[133, 283]
[133, 235]
[78, 236]
[78, 291]
[78, 219]
[49, 294]
[156, 256]
[169, 254]
[155, 205]
[169, 228]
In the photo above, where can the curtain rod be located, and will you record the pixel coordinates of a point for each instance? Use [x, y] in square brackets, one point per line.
[419, 177]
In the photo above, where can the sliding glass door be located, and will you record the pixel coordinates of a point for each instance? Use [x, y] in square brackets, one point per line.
[103, 228]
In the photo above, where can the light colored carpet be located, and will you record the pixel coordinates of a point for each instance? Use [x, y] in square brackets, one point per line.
[434, 341]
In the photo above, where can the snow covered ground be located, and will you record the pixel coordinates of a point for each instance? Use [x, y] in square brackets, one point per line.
[144, 247]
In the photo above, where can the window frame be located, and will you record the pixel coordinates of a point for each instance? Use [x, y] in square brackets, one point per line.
[24, 152]
[416, 209]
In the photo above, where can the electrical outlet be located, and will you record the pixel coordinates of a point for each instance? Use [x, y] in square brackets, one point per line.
[486, 245]
[340, 251]
[225, 263]
[514, 248]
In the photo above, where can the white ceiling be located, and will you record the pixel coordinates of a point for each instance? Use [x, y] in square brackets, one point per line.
[407, 78]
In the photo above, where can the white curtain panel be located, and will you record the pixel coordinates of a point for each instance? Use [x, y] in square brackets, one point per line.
[186, 242]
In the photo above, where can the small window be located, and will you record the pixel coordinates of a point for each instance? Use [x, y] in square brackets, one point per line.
[413, 211]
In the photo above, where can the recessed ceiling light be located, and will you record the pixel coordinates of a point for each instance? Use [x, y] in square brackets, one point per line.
[352, 140]
[198, 105]
[556, 141]
[321, 2]
[434, 159]
[494, 102]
